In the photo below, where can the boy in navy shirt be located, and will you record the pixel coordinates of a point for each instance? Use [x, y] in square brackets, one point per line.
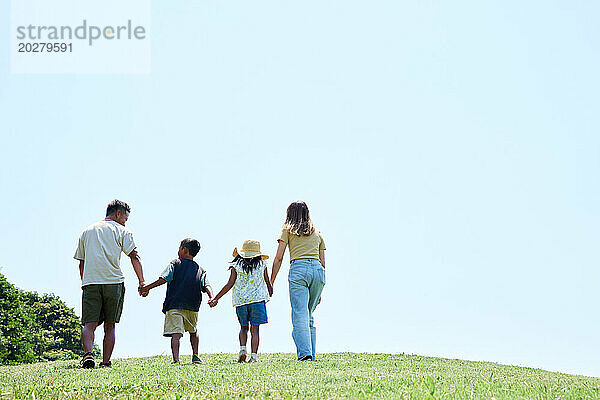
[185, 281]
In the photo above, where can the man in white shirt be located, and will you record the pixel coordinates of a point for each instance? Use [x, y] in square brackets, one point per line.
[99, 254]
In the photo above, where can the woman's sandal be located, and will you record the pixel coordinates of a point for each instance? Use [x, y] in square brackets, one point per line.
[88, 360]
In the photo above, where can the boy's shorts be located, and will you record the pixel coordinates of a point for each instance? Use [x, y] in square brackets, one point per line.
[180, 321]
[101, 303]
[255, 313]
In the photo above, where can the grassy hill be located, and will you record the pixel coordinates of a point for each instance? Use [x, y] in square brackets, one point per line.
[340, 375]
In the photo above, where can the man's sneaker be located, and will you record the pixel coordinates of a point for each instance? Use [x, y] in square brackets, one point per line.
[242, 356]
[88, 360]
[305, 358]
[196, 359]
[252, 360]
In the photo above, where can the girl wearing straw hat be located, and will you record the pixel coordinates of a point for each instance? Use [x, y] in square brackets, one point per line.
[306, 277]
[251, 290]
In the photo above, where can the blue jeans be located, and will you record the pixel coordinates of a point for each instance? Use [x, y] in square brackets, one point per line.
[306, 279]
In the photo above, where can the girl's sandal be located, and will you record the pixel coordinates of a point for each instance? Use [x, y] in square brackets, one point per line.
[105, 364]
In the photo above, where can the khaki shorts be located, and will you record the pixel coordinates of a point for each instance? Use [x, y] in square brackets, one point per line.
[101, 303]
[180, 321]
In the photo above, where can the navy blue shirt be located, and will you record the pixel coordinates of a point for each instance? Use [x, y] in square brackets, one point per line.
[186, 281]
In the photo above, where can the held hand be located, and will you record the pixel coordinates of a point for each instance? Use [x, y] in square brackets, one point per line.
[143, 291]
[141, 285]
[270, 289]
[213, 302]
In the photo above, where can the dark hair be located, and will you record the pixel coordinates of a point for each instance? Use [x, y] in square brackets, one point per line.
[297, 221]
[192, 245]
[117, 205]
[247, 264]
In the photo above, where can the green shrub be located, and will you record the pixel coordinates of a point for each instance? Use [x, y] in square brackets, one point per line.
[36, 327]
[59, 329]
[17, 326]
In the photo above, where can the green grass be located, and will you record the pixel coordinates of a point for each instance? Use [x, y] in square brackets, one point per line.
[340, 375]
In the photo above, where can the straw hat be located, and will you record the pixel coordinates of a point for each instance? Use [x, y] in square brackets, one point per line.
[250, 249]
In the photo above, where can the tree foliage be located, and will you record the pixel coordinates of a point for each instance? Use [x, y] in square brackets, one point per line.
[59, 331]
[16, 326]
[36, 327]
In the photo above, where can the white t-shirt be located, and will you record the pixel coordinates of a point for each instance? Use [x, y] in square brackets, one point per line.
[100, 247]
[249, 288]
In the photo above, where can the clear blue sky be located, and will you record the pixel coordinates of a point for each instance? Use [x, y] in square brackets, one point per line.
[449, 152]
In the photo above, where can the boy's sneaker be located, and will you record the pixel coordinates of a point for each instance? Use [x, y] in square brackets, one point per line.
[196, 359]
[242, 356]
[88, 360]
[252, 360]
